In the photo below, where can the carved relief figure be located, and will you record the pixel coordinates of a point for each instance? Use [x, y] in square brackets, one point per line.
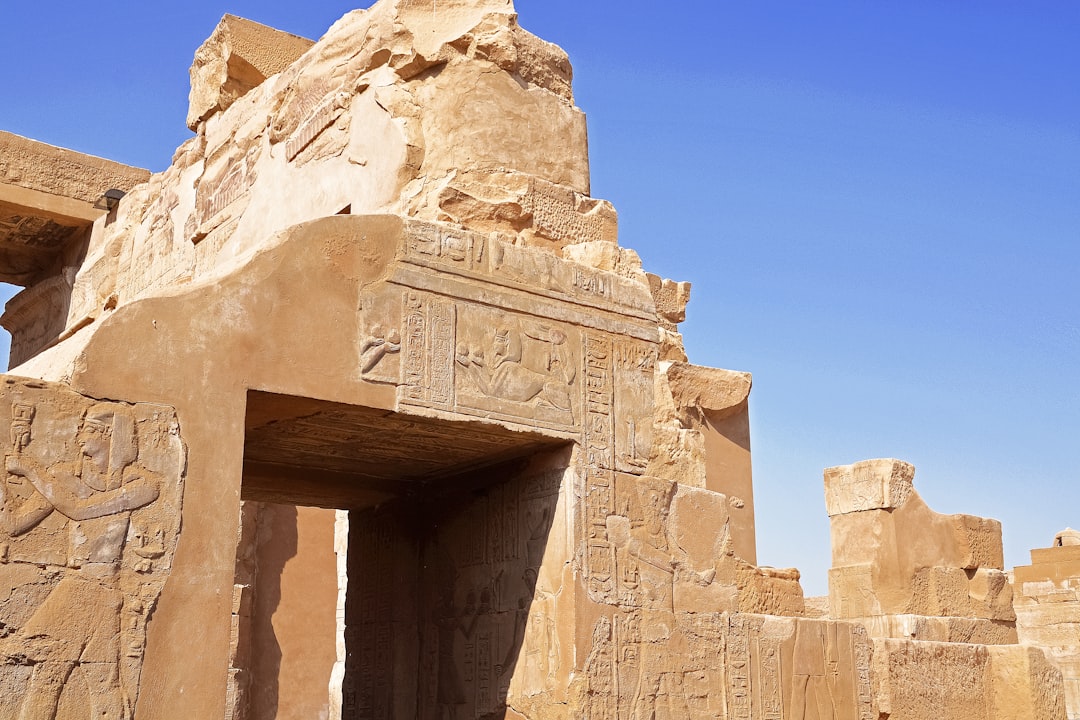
[376, 346]
[599, 667]
[75, 634]
[520, 369]
[657, 565]
[816, 692]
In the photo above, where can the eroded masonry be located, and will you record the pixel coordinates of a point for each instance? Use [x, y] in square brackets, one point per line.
[359, 411]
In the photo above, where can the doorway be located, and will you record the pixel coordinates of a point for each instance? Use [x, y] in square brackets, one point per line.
[390, 565]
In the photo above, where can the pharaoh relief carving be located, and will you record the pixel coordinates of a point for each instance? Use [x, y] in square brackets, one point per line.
[89, 514]
[517, 367]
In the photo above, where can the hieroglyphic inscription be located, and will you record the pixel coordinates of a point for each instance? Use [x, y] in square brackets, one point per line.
[769, 691]
[591, 282]
[862, 670]
[368, 689]
[443, 318]
[599, 467]
[493, 258]
[448, 245]
[738, 664]
[428, 339]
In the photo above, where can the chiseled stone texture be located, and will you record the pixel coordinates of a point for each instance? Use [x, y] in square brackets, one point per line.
[920, 680]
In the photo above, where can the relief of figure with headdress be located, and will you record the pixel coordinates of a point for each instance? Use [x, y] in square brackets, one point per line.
[77, 634]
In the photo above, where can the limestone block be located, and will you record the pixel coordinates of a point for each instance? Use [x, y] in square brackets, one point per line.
[991, 595]
[919, 680]
[980, 542]
[65, 175]
[1025, 684]
[915, 680]
[543, 213]
[1048, 609]
[238, 56]
[851, 592]
[894, 555]
[697, 389]
[1056, 554]
[941, 591]
[867, 485]
[671, 298]
[769, 591]
[671, 346]
[817, 606]
[939, 629]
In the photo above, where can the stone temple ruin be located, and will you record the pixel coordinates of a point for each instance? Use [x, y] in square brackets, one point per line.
[359, 411]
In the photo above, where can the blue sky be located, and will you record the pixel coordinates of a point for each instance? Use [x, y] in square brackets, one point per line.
[878, 205]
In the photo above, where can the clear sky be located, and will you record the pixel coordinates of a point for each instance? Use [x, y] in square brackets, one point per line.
[877, 203]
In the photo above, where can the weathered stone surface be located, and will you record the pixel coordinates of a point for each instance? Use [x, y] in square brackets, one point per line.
[47, 205]
[892, 555]
[1047, 601]
[443, 454]
[918, 680]
[237, 57]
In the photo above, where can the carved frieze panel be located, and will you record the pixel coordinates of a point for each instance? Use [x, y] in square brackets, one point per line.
[496, 260]
[517, 368]
[158, 256]
[745, 667]
[221, 193]
[474, 360]
[380, 336]
[89, 516]
[599, 472]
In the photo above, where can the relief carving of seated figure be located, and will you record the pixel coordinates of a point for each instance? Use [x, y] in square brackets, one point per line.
[75, 632]
[508, 372]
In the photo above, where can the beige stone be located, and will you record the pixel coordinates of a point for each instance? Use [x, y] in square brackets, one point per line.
[439, 448]
[892, 555]
[49, 198]
[237, 57]
[918, 680]
[1047, 604]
